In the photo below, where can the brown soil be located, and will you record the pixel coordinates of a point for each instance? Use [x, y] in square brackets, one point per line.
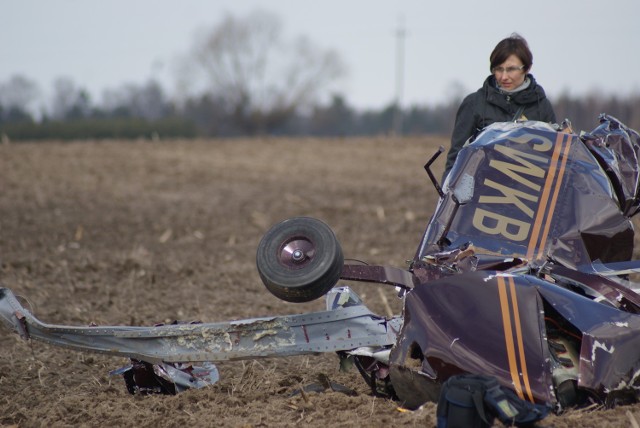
[146, 232]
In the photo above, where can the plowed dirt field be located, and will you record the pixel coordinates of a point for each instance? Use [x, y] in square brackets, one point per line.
[140, 233]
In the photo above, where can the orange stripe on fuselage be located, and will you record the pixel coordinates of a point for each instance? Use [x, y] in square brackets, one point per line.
[563, 166]
[542, 206]
[519, 338]
[508, 336]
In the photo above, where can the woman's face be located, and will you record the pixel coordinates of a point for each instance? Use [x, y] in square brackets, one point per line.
[510, 74]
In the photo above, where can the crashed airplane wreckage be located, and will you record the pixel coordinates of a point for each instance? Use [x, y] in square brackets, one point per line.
[521, 274]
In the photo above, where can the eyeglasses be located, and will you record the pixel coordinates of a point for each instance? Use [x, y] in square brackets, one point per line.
[508, 70]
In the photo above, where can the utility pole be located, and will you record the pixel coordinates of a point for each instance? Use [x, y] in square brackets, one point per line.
[401, 34]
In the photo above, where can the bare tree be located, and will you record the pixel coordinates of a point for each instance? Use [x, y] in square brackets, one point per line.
[147, 101]
[66, 95]
[69, 101]
[19, 93]
[262, 78]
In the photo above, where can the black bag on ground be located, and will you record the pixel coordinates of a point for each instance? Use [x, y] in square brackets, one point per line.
[469, 401]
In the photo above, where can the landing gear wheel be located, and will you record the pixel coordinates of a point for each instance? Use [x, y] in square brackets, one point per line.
[299, 259]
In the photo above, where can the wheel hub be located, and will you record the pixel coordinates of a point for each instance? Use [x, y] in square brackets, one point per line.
[296, 252]
[297, 256]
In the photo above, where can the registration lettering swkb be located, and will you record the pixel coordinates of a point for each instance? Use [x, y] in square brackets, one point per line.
[522, 176]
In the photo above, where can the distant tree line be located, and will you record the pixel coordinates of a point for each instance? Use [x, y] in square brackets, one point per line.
[146, 112]
[583, 111]
[252, 82]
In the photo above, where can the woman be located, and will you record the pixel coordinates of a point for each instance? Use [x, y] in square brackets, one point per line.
[509, 93]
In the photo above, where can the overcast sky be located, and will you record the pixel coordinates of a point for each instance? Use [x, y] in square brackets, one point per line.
[578, 45]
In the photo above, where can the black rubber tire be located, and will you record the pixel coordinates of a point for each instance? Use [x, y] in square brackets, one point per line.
[299, 259]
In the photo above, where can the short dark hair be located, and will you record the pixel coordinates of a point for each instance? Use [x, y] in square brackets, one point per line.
[516, 45]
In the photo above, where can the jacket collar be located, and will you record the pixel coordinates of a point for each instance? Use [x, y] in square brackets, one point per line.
[533, 93]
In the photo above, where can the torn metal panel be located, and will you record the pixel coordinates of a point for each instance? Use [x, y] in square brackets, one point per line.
[536, 194]
[478, 322]
[340, 329]
[617, 149]
[519, 335]
[608, 340]
[144, 378]
[609, 360]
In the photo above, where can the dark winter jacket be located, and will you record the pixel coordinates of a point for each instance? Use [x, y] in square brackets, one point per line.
[489, 105]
